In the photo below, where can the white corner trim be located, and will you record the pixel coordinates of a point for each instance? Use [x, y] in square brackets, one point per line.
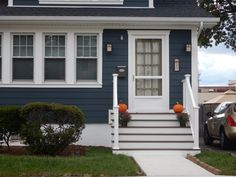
[88, 2]
[151, 4]
[194, 74]
[10, 3]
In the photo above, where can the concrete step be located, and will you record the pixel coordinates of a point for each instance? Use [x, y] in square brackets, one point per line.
[155, 137]
[155, 144]
[155, 130]
[151, 123]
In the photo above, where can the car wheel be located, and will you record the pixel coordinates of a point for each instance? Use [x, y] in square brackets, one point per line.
[224, 141]
[208, 140]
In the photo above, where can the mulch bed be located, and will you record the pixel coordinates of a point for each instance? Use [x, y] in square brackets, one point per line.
[22, 150]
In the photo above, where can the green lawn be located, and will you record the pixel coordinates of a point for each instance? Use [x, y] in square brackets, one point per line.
[223, 161]
[97, 161]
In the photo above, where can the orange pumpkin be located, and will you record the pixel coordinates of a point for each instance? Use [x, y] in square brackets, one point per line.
[178, 108]
[122, 107]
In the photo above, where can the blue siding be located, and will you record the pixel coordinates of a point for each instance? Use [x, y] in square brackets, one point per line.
[178, 41]
[133, 3]
[94, 102]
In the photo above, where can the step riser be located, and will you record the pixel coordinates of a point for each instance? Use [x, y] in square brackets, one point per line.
[154, 116]
[155, 138]
[155, 130]
[134, 123]
[156, 145]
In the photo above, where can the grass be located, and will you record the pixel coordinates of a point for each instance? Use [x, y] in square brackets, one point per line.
[97, 161]
[221, 160]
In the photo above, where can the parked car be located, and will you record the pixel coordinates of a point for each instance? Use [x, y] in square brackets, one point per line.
[221, 125]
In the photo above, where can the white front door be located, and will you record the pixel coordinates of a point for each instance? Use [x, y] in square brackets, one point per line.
[148, 71]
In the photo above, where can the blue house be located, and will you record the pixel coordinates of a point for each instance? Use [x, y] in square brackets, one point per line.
[67, 51]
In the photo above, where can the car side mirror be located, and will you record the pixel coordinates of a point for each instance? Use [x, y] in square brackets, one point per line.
[209, 114]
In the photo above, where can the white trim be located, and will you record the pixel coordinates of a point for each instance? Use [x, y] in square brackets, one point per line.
[84, 6]
[103, 2]
[146, 34]
[10, 3]
[49, 85]
[194, 61]
[96, 19]
[6, 58]
[151, 3]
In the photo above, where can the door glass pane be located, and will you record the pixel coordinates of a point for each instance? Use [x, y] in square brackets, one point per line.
[148, 87]
[148, 57]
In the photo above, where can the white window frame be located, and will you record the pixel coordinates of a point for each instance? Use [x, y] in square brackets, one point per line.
[21, 81]
[83, 2]
[39, 57]
[98, 59]
[44, 57]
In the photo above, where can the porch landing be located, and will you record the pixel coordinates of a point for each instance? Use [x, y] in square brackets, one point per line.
[155, 134]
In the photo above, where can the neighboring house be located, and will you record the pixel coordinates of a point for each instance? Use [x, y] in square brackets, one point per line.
[66, 51]
[206, 93]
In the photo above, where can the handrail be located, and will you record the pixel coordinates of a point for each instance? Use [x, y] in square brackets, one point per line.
[192, 109]
[116, 112]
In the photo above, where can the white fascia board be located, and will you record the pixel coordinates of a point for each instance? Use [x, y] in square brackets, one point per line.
[95, 19]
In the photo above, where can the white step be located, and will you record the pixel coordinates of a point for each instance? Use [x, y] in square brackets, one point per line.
[156, 145]
[151, 123]
[155, 137]
[155, 130]
[154, 116]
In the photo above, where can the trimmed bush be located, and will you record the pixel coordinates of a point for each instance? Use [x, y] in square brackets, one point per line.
[10, 122]
[51, 127]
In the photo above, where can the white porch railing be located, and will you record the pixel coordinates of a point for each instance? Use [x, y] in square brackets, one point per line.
[116, 112]
[192, 109]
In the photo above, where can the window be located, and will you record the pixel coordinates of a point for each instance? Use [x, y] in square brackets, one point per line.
[0, 57]
[22, 64]
[98, 2]
[54, 65]
[87, 57]
[148, 67]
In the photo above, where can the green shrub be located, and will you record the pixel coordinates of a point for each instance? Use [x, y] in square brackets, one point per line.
[51, 127]
[10, 122]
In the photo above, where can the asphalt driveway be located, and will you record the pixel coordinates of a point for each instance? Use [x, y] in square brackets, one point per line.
[216, 147]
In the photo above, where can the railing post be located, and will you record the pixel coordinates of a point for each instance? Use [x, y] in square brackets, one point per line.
[116, 112]
[196, 127]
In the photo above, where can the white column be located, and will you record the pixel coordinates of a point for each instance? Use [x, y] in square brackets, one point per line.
[70, 59]
[151, 4]
[6, 58]
[194, 62]
[116, 113]
[38, 58]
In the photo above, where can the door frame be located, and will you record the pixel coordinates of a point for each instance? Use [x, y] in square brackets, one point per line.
[149, 34]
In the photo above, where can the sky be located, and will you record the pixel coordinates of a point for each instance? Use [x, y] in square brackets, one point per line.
[216, 66]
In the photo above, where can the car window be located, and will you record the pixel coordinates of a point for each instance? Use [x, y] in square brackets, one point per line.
[222, 107]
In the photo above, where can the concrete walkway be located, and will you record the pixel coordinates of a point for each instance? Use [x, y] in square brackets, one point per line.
[173, 166]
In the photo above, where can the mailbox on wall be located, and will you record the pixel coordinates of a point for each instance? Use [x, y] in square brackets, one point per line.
[121, 71]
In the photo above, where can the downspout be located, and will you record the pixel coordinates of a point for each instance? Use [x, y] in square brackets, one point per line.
[10, 3]
[200, 29]
[151, 4]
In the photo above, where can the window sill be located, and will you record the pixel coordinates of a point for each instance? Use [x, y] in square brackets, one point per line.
[83, 2]
[51, 85]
